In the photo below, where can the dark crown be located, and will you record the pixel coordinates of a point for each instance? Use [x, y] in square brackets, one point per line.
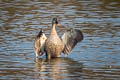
[54, 21]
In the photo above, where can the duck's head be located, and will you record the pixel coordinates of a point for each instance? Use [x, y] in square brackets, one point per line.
[55, 21]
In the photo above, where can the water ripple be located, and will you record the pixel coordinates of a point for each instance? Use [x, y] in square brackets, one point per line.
[96, 57]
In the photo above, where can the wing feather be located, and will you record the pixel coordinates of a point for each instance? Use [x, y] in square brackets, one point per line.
[70, 38]
[39, 43]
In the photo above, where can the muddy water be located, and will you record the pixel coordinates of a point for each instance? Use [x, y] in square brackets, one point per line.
[96, 57]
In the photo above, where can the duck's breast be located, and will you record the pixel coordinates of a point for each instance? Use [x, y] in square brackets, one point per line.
[54, 46]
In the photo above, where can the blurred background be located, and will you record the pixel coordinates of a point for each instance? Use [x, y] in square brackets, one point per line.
[96, 57]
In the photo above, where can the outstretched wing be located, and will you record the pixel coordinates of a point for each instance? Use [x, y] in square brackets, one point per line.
[39, 43]
[70, 38]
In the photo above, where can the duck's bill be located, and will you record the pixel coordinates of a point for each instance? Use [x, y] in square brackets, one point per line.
[58, 24]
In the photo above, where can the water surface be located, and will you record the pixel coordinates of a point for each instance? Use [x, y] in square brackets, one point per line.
[96, 57]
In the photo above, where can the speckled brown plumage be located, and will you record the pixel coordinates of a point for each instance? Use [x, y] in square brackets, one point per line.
[53, 46]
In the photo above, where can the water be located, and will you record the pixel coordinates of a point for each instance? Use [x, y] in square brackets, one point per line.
[96, 57]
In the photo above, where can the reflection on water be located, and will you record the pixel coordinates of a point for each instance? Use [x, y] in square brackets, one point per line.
[58, 68]
[96, 57]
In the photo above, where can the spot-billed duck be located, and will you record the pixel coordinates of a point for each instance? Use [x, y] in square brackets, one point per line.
[53, 46]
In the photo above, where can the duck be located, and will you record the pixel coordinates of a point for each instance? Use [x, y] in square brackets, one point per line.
[54, 46]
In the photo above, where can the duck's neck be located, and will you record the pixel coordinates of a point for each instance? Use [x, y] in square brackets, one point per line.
[53, 31]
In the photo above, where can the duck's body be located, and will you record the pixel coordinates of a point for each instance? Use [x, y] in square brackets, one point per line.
[54, 46]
